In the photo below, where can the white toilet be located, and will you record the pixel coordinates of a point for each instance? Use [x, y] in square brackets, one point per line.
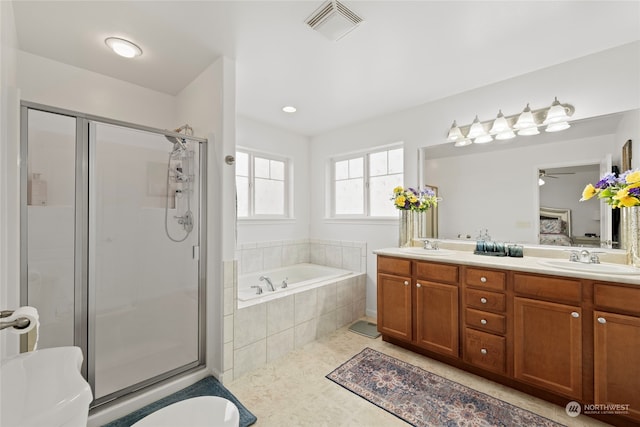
[203, 411]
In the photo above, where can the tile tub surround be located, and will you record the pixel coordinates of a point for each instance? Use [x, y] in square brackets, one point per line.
[278, 331]
[258, 256]
[266, 332]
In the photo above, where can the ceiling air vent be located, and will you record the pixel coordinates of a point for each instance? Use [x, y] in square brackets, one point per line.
[334, 20]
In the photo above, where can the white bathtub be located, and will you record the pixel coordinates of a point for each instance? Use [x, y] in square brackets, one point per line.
[299, 277]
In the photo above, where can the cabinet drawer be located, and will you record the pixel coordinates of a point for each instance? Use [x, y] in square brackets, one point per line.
[484, 320]
[617, 297]
[397, 266]
[435, 272]
[547, 287]
[485, 279]
[485, 300]
[484, 350]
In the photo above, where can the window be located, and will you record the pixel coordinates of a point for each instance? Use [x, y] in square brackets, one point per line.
[363, 183]
[261, 185]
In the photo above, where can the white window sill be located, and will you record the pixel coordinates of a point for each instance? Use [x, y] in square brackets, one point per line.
[264, 221]
[362, 220]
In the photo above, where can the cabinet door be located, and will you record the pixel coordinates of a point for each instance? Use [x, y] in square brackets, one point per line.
[437, 317]
[394, 306]
[616, 356]
[548, 345]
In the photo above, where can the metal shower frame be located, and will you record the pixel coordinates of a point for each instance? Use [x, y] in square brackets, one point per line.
[84, 326]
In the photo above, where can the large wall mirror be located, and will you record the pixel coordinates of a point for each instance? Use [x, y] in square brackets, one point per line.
[526, 190]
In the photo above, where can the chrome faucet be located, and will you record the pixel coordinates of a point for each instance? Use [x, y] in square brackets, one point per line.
[430, 245]
[585, 257]
[269, 284]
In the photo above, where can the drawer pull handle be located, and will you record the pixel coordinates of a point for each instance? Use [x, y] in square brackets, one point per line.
[483, 321]
[406, 283]
[483, 279]
[484, 351]
[575, 314]
[483, 300]
[418, 285]
[602, 320]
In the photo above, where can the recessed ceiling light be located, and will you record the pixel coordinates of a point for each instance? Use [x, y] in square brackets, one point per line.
[289, 109]
[123, 47]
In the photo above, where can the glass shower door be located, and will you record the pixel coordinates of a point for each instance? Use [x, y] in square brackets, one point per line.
[143, 257]
[50, 218]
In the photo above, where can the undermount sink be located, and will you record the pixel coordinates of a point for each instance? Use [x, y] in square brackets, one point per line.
[44, 388]
[602, 268]
[421, 251]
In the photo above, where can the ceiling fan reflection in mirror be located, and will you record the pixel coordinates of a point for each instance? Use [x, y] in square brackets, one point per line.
[544, 174]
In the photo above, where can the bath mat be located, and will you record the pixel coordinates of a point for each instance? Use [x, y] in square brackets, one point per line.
[365, 328]
[422, 398]
[206, 387]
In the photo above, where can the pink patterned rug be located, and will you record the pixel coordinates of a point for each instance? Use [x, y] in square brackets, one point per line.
[422, 398]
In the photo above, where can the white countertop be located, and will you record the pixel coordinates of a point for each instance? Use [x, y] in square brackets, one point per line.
[530, 264]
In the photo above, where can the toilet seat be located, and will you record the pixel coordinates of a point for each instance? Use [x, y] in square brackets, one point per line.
[203, 411]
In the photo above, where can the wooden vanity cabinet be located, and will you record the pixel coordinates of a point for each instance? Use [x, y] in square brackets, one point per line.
[555, 337]
[547, 321]
[394, 298]
[616, 328]
[418, 303]
[485, 325]
[436, 307]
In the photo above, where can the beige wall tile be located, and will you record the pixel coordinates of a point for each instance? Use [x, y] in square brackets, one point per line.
[278, 345]
[248, 358]
[250, 325]
[280, 314]
[305, 306]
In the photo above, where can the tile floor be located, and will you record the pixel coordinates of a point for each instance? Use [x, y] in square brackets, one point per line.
[293, 390]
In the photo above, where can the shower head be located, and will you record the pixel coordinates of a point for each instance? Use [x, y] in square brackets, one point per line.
[179, 145]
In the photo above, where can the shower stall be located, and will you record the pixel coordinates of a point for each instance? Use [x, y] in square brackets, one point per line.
[112, 236]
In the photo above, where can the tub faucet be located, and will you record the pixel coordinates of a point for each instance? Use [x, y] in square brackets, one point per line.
[269, 284]
[284, 283]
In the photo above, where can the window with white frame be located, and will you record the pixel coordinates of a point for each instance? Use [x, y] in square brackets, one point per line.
[363, 182]
[262, 185]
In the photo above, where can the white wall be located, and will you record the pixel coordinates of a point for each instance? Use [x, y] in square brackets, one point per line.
[268, 139]
[208, 105]
[9, 182]
[597, 84]
[56, 84]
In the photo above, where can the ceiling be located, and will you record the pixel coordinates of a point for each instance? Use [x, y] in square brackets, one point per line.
[404, 54]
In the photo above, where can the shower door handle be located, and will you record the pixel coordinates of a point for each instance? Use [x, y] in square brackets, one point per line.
[196, 253]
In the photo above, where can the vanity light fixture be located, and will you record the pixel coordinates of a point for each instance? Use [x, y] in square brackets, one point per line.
[455, 134]
[123, 47]
[555, 118]
[526, 125]
[501, 128]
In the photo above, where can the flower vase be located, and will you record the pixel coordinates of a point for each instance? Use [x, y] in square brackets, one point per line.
[630, 234]
[406, 228]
